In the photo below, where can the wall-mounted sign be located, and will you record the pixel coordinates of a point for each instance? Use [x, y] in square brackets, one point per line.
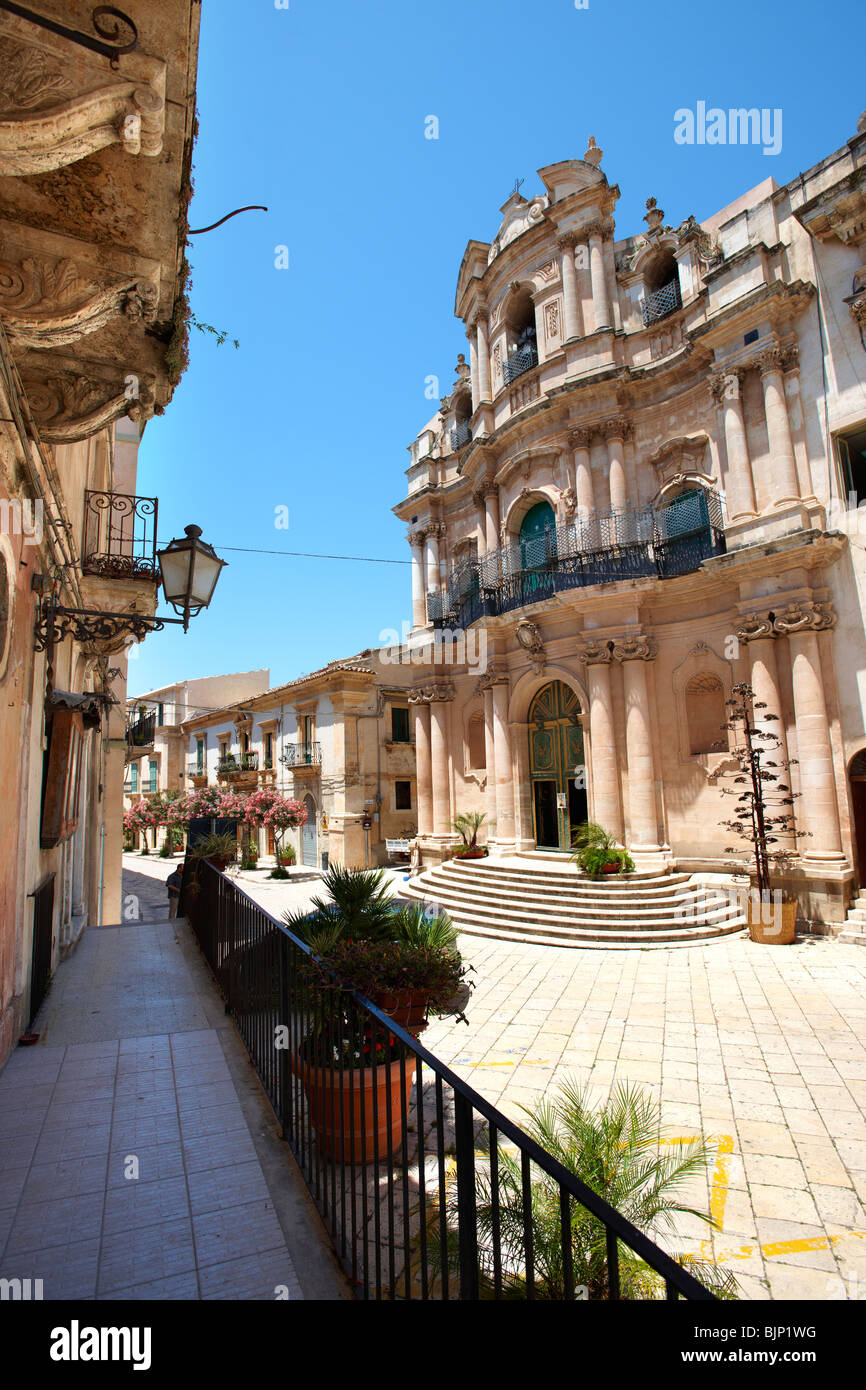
[561, 801]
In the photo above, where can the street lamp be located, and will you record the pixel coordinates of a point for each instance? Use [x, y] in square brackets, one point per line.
[190, 569]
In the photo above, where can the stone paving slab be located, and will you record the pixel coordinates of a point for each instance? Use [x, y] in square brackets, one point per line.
[763, 1048]
[138, 1156]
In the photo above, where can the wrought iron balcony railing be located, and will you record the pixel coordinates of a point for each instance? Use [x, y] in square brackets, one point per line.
[120, 536]
[601, 549]
[196, 769]
[242, 762]
[523, 360]
[139, 734]
[461, 434]
[302, 755]
[661, 303]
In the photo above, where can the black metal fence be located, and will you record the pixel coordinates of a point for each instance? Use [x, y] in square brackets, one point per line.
[428, 1191]
[600, 549]
[140, 732]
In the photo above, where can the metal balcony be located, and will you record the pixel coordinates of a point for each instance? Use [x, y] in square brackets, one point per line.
[298, 755]
[461, 434]
[196, 769]
[661, 303]
[523, 360]
[120, 536]
[601, 549]
[139, 734]
[243, 762]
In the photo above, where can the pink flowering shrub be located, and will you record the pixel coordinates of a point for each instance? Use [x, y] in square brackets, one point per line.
[276, 813]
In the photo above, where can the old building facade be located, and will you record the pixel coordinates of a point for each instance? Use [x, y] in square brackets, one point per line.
[97, 114]
[637, 494]
[339, 740]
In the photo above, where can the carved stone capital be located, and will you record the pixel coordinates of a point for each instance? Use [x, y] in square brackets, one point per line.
[594, 229]
[753, 628]
[566, 241]
[597, 652]
[791, 358]
[495, 674]
[802, 617]
[637, 648]
[725, 385]
[769, 361]
[483, 491]
[616, 428]
[581, 436]
[417, 538]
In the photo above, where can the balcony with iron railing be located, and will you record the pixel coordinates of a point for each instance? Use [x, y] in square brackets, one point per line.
[523, 359]
[237, 765]
[298, 756]
[119, 540]
[603, 548]
[461, 434]
[140, 732]
[197, 770]
[660, 303]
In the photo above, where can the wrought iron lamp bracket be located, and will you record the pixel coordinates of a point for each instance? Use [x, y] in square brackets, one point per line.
[54, 624]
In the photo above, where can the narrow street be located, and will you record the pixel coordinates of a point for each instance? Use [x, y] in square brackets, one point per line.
[139, 1105]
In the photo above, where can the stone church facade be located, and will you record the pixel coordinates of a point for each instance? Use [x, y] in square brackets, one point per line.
[640, 491]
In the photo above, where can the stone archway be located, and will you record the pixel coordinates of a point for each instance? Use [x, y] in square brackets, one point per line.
[557, 765]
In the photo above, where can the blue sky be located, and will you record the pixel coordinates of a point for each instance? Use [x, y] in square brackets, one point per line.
[318, 110]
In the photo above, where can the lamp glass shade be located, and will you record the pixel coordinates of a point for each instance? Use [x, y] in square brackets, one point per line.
[174, 565]
[190, 569]
[206, 572]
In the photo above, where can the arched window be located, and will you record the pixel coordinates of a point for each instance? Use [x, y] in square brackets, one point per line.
[662, 284]
[705, 714]
[477, 745]
[462, 431]
[537, 536]
[521, 338]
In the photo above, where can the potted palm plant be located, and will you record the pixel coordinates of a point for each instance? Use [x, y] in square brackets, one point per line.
[219, 850]
[467, 825]
[596, 852]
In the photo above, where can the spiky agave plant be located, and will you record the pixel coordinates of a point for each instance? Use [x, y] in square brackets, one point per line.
[413, 926]
[615, 1150]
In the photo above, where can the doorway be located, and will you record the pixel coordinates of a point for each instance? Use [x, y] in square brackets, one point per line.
[857, 778]
[556, 766]
[309, 845]
[43, 919]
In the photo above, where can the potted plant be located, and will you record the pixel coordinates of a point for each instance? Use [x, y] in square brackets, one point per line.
[250, 856]
[596, 852]
[762, 816]
[287, 856]
[219, 850]
[468, 824]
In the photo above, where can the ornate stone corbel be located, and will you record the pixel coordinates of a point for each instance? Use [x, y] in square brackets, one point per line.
[51, 302]
[753, 629]
[568, 501]
[70, 404]
[637, 648]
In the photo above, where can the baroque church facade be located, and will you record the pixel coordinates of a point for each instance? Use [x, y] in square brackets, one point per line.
[640, 492]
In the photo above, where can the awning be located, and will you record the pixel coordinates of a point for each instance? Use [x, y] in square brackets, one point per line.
[88, 704]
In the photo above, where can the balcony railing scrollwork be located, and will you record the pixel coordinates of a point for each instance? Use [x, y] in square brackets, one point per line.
[661, 303]
[139, 734]
[600, 549]
[120, 536]
[297, 755]
[241, 762]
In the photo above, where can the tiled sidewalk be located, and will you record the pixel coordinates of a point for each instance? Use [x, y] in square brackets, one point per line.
[138, 1157]
[762, 1047]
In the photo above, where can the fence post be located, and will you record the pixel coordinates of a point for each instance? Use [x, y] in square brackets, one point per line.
[464, 1138]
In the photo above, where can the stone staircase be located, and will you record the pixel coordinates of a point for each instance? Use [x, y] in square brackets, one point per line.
[542, 899]
[854, 931]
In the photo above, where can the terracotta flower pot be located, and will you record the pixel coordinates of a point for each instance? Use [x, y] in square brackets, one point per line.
[772, 933]
[324, 1086]
[218, 861]
[477, 853]
[407, 1007]
[612, 868]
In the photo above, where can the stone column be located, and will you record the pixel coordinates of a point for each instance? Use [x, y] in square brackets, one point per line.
[489, 493]
[502, 757]
[616, 432]
[817, 808]
[580, 440]
[423, 766]
[606, 799]
[419, 579]
[570, 301]
[600, 302]
[473, 367]
[782, 484]
[758, 635]
[482, 354]
[739, 484]
[633, 652]
[434, 579]
[440, 697]
[489, 758]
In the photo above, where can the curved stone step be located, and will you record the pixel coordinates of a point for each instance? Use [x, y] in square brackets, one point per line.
[602, 939]
[701, 908]
[626, 883]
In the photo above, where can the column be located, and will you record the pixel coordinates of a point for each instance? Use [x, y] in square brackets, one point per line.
[502, 757]
[434, 579]
[473, 367]
[739, 485]
[633, 652]
[600, 303]
[419, 580]
[490, 495]
[490, 761]
[482, 350]
[616, 432]
[579, 441]
[570, 301]
[782, 484]
[816, 809]
[606, 798]
[439, 760]
[423, 768]
[757, 633]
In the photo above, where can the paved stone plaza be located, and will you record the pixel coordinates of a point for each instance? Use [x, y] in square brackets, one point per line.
[759, 1046]
[137, 1061]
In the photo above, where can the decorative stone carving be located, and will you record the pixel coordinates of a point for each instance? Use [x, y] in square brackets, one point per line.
[497, 362]
[495, 674]
[568, 502]
[429, 694]
[857, 306]
[597, 653]
[691, 233]
[52, 302]
[417, 537]
[528, 635]
[798, 617]
[636, 648]
[551, 319]
[581, 436]
[725, 385]
[524, 393]
[768, 361]
[791, 358]
[68, 405]
[654, 217]
[616, 428]
[59, 103]
[684, 455]
[547, 272]
[593, 154]
[751, 628]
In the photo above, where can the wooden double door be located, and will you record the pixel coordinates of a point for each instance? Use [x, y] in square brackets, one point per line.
[557, 766]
